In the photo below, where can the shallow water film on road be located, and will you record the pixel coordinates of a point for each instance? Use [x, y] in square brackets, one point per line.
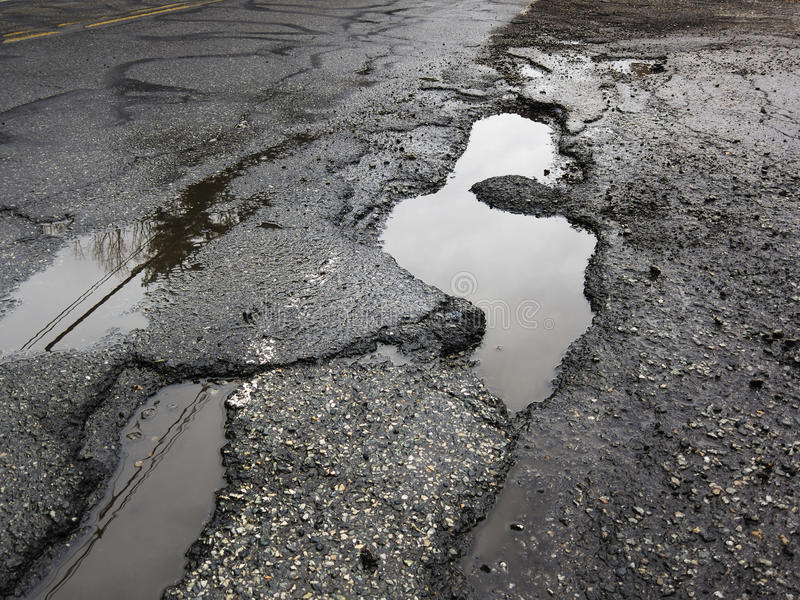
[89, 289]
[96, 282]
[525, 273]
[134, 541]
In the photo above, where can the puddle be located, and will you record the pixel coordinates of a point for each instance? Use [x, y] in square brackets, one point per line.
[530, 71]
[512, 542]
[56, 227]
[525, 273]
[89, 289]
[155, 507]
[95, 282]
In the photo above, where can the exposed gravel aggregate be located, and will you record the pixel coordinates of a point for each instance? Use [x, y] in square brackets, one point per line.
[348, 481]
[51, 468]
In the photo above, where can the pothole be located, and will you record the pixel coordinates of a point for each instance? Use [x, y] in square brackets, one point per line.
[525, 273]
[96, 282]
[88, 290]
[133, 543]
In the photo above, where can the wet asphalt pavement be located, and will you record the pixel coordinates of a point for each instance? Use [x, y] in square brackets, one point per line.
[261, 148]
[243, 153]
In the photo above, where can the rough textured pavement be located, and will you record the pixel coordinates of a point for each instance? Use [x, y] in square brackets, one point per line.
[260, 144]
[339, 487]
[665, 463]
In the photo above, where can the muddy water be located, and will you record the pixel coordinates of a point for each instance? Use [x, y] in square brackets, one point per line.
[134, 542]
[525, 273]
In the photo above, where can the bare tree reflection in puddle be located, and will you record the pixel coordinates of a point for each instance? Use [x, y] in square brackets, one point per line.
[156, 503]
[92, 288]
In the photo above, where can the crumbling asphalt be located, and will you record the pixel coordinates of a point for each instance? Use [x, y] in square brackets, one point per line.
[665, 462]
[347, 115]
[338, 486]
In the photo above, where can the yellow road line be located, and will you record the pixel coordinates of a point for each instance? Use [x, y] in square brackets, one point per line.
[131, 17]
[25, 34]
[147, 8]
[29, 37]
[181, 6]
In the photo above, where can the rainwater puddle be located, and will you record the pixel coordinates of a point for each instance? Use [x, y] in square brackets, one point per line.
[89, 289]
[96, 281]
[635, 66]
[156, 504]
[525, 273]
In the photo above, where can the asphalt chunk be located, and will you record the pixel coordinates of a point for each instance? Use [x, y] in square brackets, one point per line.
[348, 480]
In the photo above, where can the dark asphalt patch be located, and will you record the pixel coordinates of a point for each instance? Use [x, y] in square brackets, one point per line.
[103, 276]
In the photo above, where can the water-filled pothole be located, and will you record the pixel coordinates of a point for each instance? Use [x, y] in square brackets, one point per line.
[525, 273]
[95, 283]
[89, 289]
[134, 541]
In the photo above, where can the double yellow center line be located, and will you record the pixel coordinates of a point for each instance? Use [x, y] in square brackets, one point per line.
[18, 36]
[29, 34]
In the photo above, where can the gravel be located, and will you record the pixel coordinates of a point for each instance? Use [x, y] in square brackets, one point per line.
[348, 481]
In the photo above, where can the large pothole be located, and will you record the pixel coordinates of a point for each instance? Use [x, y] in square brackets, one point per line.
[526, 273]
